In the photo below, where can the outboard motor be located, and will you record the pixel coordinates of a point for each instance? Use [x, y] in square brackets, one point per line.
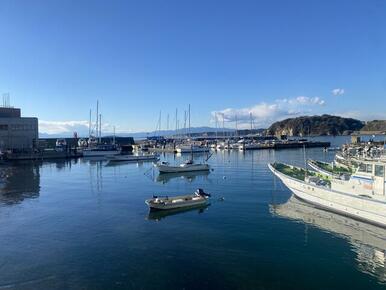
[201, 192]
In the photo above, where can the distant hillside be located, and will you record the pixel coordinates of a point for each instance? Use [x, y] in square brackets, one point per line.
[315, 125]
[374, 126]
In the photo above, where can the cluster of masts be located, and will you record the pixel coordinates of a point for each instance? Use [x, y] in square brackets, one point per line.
[187, 128]
[186, 125]
[95, 129]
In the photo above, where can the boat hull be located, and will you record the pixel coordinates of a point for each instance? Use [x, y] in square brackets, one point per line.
[96, 153]
[178, 169]
[358, 207]
[117, 158]
[184, 205]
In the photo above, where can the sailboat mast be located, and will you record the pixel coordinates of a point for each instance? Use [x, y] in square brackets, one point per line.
[236, 127]
[89, 125]
[96, 120]
[216, 120]
[176, 121]
[189, 121]
[100, 128]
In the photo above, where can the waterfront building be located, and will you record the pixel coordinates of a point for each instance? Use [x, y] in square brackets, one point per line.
[16, 132]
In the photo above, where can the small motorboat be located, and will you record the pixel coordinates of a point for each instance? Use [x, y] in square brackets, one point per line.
[143, 157]
[189, 165]
[198, 198]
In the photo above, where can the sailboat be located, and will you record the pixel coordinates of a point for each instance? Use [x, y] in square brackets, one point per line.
[96, 148]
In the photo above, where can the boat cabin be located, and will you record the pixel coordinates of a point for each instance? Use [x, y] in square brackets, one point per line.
[368, 180]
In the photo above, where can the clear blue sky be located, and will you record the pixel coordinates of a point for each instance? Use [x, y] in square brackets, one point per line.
[140, 57]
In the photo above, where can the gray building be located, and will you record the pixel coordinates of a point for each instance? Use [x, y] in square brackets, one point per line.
[16, 132]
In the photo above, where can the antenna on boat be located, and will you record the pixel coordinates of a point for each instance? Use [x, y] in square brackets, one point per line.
[305, 160]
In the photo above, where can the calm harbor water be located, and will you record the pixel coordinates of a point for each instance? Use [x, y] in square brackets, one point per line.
[83, 224]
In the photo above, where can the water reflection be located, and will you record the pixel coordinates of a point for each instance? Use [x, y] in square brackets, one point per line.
[188, 176]
[161, 214]
[19, 181]
[367, 241]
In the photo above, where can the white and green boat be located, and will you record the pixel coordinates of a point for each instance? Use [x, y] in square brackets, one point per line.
[360, 195]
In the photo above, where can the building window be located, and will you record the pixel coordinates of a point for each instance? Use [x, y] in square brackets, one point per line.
[379, 170]
[369, 168]
[3, 127]
[362, 167]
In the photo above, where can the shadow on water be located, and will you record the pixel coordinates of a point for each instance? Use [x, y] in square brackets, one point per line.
[157, 215]
[366, 240]
[19, 181]
[188, 176]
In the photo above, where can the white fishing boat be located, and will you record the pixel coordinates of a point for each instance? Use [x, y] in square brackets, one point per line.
[192, 149]
[139, 157]
[360, 195]
[101, 151]
[328, 169]
[198, 198]
[188, 166]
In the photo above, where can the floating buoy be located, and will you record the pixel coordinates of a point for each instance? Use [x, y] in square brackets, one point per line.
[224, 177]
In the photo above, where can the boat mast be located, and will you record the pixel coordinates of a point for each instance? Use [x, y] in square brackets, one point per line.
[96, 120]
[216, 121]
[176, 122]
[89, 126]
[189, 120]
[223, 125]
[250, 117]
[114, 135]
[236, 127]
[185, 130]
[100, 128]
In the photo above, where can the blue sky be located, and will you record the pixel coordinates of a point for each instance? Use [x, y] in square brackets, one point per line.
[270, 58]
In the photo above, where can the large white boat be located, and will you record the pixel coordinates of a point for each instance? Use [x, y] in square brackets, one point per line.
[102, 150]
[188, 166]
[192, 149]
[360, 195]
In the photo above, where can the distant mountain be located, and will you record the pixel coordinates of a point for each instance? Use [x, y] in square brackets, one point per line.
[315, 125]
[375, 126]
[137, 135]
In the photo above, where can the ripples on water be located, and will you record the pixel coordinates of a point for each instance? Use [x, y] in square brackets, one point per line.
[83, 224]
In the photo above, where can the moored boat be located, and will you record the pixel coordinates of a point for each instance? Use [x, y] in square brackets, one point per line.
[198, 198]
[328, 169]
[192, 149]
[101, 150]
[165, 167]
[360, 195]
[139, 157]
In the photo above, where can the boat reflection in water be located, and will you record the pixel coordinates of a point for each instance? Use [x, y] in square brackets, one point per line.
[19, 181]
[366, 240]
[188, 176]
[161, 214]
